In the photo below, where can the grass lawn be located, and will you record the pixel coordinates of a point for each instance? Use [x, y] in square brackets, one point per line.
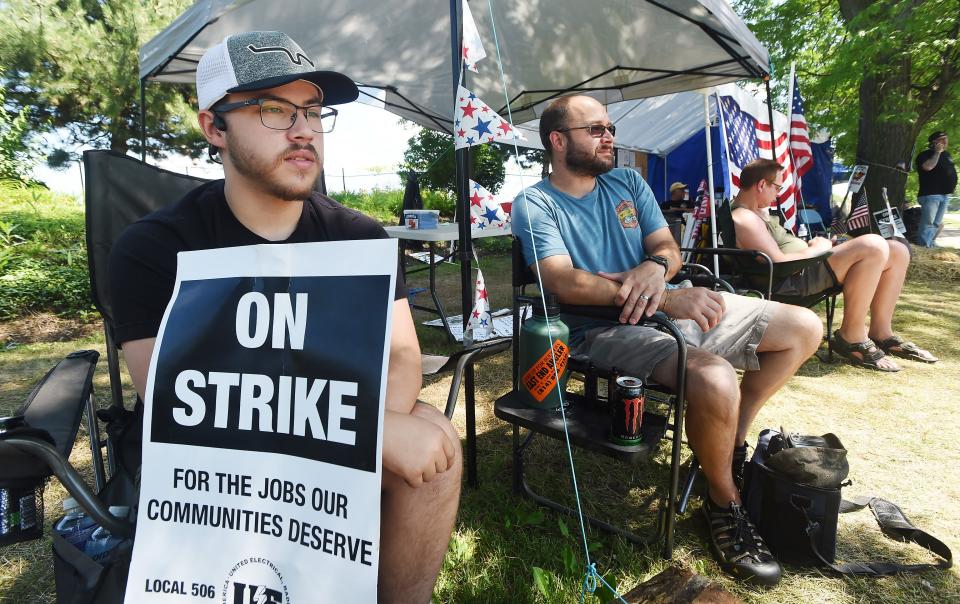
[900, 430]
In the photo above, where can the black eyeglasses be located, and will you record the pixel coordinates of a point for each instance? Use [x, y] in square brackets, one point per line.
[282, 115]
[595, 130]
[779, 187]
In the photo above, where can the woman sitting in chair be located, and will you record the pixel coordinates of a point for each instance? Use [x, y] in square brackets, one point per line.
[870, 269]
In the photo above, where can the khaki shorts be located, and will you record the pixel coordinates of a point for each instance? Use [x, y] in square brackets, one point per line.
[637, 350]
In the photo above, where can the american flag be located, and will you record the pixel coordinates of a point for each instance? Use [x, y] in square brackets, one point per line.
[860, 216]
[747, 130]
[799, 134]
[839, 225]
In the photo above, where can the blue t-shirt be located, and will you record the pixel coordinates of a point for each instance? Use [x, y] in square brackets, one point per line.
[601, 231]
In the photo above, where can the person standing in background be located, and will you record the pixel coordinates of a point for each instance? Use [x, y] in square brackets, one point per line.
[938, 179]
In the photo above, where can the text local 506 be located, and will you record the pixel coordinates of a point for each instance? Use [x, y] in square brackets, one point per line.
[295, 397]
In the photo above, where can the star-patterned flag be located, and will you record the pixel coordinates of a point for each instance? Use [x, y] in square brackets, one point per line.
[799, 134]
[860, 216]
[475, 123]
[485, 211]
[472, 44]
[747, 130]
[480, 323]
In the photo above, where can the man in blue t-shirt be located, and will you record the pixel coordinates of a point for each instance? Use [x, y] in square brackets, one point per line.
[600, 239]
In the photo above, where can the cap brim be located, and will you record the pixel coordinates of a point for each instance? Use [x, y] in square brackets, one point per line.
[337, 88]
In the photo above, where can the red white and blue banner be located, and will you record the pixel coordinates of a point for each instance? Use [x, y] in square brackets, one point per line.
[486, 213]
[480, 324]
[746, 128]
[472, 48]
[263, 425]
[475, 123]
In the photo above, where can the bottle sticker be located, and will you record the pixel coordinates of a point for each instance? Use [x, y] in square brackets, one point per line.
[540, 380]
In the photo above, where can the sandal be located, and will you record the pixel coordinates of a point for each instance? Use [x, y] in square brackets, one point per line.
[738, 546]
[868, 351]
[899, 347]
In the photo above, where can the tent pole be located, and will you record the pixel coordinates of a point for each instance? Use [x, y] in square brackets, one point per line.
[712, 190]
[462, 166]
[143, 120]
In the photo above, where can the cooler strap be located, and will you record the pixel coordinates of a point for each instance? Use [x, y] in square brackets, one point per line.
[894, 524]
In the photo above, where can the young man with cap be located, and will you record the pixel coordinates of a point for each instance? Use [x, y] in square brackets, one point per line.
[938, 179]
[264, 108]
[871, 270]
[598, 238]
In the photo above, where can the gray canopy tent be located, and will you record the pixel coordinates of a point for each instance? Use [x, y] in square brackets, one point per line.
[406, 54]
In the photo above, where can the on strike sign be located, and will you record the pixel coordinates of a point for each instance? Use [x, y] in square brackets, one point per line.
[263, 427]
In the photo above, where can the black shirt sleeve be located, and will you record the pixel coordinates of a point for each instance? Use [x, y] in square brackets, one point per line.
[143, 270]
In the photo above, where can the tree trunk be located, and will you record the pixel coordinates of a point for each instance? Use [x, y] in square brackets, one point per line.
[884, 142]
[886, 146]
[118, 143]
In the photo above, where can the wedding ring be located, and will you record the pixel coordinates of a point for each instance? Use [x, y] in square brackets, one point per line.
[644, 298]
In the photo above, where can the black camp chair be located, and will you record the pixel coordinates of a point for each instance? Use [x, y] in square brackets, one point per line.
[36, 443]
[119, 191]
[588, 419]
[754, 272]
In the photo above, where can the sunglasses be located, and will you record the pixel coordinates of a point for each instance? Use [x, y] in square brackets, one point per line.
[595, 130]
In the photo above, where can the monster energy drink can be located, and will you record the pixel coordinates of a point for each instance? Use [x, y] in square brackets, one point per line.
[626, 411]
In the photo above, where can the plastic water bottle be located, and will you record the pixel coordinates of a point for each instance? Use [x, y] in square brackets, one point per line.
[102, 542]
[75, 526]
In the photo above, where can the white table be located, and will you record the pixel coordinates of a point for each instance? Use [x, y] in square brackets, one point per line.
[446, 231]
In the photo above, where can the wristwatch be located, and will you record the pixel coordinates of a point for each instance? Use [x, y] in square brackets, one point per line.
[661, 260]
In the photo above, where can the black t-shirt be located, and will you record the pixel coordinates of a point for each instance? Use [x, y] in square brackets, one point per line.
[143, 261]
[942, 180]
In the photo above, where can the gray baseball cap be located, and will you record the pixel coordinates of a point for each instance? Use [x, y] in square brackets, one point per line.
[256, 60]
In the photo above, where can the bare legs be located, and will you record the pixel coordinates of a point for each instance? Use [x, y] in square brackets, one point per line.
[872, 271]
[718, 412]
[416, 524]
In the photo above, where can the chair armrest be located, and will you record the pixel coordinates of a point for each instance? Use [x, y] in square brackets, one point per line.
[72, 482]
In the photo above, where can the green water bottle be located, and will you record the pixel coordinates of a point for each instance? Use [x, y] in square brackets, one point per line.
[538, 380]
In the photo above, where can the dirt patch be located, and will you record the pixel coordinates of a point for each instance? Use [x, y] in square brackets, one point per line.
[43, 327]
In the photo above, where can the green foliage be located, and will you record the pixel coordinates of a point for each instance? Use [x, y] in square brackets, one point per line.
[43, 254]
[17, 155]
[72, 64]
[879, 76]
[431, 154]
[384, 204]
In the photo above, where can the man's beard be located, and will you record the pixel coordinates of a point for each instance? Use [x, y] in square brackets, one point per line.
[261, 171]
[585, 162]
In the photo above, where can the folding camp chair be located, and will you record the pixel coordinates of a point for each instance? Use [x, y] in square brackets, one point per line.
[814, 222]
[36, 443]
[119, 191]
[754, 272]
[588, 418]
